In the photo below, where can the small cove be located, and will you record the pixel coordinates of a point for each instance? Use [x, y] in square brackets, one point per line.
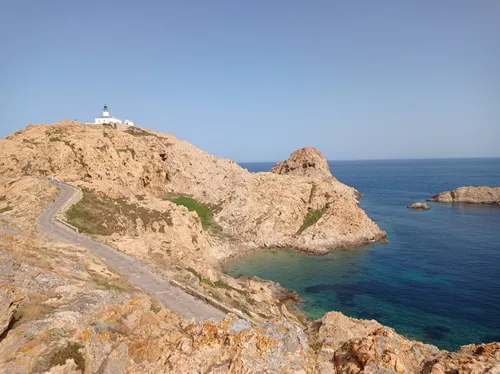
[438, 278]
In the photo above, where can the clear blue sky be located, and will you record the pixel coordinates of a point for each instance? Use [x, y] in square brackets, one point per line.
[255, 80]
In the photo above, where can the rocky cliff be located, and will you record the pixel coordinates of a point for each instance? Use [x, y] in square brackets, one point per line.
[470, 195]
[263, 209]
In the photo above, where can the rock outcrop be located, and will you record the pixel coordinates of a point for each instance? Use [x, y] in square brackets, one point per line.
[10, 298]
[418, 206]
[305, 162]
[470, 195]
[262, 209]
[348, 345]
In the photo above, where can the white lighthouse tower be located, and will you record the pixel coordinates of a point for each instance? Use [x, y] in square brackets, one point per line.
[106, 118]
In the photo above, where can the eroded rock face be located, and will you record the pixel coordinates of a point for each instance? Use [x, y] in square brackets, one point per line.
[418, 206]
[470, 195]
[383, 351]
[470, 359]
[305, 162]
[10, 298]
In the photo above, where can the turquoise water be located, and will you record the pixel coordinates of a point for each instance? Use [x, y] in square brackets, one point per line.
[438, 278]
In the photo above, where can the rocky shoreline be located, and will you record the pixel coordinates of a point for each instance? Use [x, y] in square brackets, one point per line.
[469, 195]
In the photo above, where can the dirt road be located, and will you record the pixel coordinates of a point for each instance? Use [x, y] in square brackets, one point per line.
[138, 274]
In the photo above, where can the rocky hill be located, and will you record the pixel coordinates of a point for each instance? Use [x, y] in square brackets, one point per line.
[469, 195]
[263, 209]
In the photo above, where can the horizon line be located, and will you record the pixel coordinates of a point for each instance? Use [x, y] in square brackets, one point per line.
[384, 159]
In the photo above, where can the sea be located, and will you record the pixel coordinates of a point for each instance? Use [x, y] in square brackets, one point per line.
[437, 280]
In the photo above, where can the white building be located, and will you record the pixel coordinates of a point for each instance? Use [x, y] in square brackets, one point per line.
[106, 118]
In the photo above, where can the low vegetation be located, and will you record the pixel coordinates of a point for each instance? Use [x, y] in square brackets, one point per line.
[115, 286]
[137, 131]
[101, 215]
[71, 351]
[5, 209]
[312, 217]
[56, 334]
[101, 326]
[36, 309]
[217, 283]
[125, 150]
[204, 211]
[110, 125]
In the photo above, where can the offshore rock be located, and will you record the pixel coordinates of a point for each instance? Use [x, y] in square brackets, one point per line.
[418, 206]
[470, 195]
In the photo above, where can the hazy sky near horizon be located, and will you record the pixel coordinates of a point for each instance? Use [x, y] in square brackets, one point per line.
[255, 80]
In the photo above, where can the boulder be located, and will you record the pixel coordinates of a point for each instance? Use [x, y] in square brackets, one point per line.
[384, 351]
[418, 206]
[116, 361]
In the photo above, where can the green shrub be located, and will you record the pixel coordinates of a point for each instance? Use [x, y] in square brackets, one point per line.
[312, 217]
[204, 211]
[101, 326]
[56, 334]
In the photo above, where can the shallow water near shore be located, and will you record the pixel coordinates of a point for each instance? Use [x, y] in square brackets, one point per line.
[438, 278]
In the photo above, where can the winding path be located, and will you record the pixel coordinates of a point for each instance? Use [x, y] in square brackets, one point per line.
[136, 273]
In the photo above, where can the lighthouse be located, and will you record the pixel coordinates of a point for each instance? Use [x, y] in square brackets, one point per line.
[107, 119]
[105, 111]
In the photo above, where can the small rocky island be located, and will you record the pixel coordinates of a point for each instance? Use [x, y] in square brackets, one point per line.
[469, 195]
[418, 206]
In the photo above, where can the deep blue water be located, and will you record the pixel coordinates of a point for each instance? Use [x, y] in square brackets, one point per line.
[438, 278]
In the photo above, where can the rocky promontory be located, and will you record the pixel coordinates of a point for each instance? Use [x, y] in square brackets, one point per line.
[260, 209]
[469, 195]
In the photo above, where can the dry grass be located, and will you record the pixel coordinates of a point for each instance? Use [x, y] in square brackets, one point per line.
[71, 351]
[100, 215]
[35, 309]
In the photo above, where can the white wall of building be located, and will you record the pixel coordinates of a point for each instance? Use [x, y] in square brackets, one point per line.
[129, 122]
[102, 120]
